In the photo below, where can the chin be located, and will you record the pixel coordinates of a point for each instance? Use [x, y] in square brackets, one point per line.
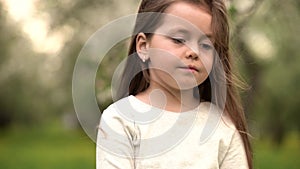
[187, 86]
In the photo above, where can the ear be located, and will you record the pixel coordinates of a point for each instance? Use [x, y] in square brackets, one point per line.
[142, 46]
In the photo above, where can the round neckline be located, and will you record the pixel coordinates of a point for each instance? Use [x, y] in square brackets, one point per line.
[166, 111]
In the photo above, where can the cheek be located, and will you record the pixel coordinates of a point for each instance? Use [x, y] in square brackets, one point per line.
[207, 63]
[163, 60]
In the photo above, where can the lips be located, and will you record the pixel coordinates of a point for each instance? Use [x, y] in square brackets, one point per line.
[190, 68]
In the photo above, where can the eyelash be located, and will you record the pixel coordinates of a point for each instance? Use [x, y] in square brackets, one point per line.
[178, 40]
[202, 45]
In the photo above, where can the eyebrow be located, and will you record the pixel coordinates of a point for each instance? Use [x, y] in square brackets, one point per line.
[184, 31]
[179, 30]
[207, 36]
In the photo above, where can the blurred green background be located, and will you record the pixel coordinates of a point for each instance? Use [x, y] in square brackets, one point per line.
[39, 44]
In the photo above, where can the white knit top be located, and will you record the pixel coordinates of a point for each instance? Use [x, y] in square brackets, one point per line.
[135, 135]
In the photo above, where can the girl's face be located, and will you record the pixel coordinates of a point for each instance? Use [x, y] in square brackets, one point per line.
[180, 52]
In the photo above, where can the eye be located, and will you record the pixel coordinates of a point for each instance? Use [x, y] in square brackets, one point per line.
[206, 46]
[178, 40]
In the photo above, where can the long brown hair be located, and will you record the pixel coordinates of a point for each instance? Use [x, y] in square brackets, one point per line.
[132, 85]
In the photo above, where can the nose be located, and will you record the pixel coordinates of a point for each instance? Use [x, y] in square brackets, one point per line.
[191, 54]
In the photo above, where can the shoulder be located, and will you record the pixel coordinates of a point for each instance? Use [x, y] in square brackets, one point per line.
[116, 108]
[124, 111]
[217, 124]
[224, 134]
[114, 112]
[214, 112]
[114, 118]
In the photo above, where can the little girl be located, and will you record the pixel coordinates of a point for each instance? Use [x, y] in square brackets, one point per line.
[177, 106]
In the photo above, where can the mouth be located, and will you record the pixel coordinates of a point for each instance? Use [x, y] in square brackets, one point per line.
[191, 68]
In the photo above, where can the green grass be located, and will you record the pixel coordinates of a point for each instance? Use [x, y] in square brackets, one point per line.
[46, 148]
[51, 147]
[270, 156]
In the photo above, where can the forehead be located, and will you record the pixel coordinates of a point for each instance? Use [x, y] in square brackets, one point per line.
[191, 15]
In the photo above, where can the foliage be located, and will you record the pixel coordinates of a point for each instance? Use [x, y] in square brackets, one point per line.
[35, 84]
[265, 42]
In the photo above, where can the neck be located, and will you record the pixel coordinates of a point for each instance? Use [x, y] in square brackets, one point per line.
[174, 100]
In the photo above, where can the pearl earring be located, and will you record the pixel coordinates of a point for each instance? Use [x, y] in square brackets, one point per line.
[142, 56]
